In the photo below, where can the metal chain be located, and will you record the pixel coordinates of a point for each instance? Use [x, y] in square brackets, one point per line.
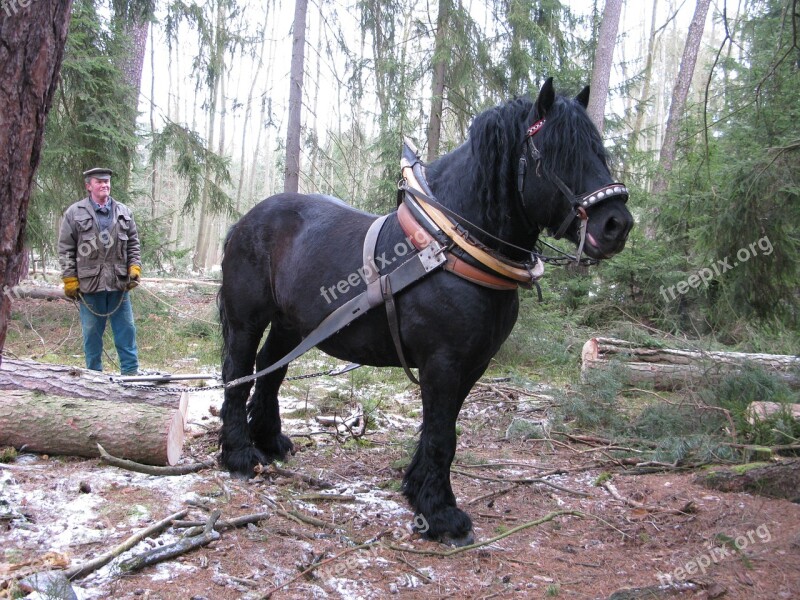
[89, 308]
[201, 388]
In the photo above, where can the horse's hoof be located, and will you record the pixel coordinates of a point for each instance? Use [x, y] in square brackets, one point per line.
[242, 463]
[275, 448]
[464, 540]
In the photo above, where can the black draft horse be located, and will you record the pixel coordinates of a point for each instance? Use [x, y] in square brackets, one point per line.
[286, 259]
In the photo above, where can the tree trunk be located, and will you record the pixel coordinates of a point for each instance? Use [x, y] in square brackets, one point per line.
[217, 66]
[248, 111]
[62, 426]
[440, 60]
[32, 40]
[603, 60]
[680, 93]
[82, 384]
[668, 369]
[291, 181]
[644, 98]
[778, 480]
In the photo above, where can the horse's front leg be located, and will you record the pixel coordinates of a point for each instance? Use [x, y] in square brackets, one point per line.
[426, 484]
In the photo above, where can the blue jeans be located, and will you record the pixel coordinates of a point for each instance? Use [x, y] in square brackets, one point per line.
[122, 327]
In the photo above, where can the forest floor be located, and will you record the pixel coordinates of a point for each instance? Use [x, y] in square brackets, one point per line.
[559, 534]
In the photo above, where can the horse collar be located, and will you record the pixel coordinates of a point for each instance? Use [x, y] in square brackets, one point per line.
[423, 219]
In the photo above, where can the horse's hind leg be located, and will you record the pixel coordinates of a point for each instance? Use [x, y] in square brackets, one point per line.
[263, 410]
[238, 454]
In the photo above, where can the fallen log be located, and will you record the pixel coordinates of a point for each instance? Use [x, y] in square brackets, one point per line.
[761, 411]
[669, 369]
[62, 380]
[774, 480]
[35, 292]
[52, 424]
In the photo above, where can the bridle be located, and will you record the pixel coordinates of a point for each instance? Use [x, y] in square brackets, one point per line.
[578, 202]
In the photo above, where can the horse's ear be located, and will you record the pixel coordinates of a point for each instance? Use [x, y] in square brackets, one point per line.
[547, 96]
[583, 97]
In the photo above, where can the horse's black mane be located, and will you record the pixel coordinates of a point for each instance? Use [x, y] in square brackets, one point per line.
[496, 139]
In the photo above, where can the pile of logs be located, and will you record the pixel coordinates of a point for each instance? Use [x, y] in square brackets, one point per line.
[669, 369]
[56, 409]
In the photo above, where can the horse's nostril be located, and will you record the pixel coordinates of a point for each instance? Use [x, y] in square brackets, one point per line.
[613, 225]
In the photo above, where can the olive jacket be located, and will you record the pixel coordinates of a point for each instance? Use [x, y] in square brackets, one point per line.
[99, 259]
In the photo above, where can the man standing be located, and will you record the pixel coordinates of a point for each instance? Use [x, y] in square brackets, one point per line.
[98, 247]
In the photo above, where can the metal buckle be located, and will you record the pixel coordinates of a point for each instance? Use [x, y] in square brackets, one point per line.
[431, 256]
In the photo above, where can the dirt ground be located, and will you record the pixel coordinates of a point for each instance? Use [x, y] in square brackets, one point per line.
[662, 534]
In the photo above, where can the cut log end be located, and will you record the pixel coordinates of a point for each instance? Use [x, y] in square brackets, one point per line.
[175, 435]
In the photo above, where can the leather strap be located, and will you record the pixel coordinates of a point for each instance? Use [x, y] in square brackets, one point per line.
[371, 272]
[421, 238]
[514, 273]
[410, 271]
[394, 327]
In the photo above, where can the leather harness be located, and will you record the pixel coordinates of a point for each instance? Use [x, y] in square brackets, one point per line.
[439, 241]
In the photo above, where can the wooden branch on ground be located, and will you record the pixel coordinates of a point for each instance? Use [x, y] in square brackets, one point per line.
[523, 481]
[58, 425]
[668, 369]
[273, 469]
[512, 531]
[354, 425]
[224, 524]
[213, 282]
[130, 465]
[327, 498]
[182, 546]
[84, 569]
[318, 565]
[611, 489]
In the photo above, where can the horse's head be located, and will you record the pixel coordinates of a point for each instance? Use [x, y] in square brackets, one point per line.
[564, 178]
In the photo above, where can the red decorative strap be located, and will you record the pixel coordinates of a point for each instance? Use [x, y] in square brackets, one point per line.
[534, 129]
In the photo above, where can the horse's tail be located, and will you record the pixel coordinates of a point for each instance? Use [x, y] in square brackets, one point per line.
[223, 318]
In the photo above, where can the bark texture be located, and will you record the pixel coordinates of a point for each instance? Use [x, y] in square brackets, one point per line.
[778, 480]
[680, 93]
[291, 182]
[440, 60]
[61, 380]
[603, 59]
[68, 426]
[32, 40]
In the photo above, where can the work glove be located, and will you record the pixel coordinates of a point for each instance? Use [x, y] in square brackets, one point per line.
[71, 287]
[134, 273]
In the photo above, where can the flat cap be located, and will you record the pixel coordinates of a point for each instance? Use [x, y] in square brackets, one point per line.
[99, 173]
